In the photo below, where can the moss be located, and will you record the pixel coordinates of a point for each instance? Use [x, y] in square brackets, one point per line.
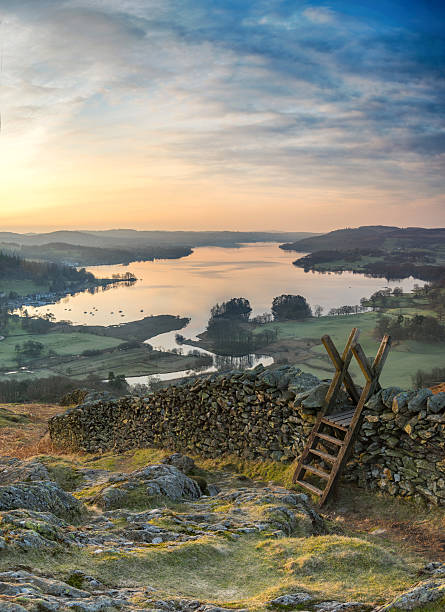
[223, 507]
[346, 567]
[268, 471]
[202, 484]
[438, 606]
[67, 478]
[8, 418]
[137, 499]
[246, 572]
[88, 494]
[127, 461]
[75, 580]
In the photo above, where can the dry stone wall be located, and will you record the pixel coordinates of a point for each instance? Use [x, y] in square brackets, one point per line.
[268, 414]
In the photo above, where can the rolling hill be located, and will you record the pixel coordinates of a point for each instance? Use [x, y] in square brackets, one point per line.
[372, 236]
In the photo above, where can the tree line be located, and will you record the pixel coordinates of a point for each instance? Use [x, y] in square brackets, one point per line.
[418, 327]
[228, 326]
[57, 276]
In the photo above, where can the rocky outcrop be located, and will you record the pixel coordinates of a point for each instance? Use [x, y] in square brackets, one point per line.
[431, 591]
[41, 497]
[77, 552]
[14, 470]
[153, 480]
[268, 414]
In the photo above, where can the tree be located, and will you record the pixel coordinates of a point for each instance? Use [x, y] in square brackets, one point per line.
[290, 307]
[117, 382]
[318, 310]
[236, 308]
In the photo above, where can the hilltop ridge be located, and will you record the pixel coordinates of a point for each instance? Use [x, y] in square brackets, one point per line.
[371, 236]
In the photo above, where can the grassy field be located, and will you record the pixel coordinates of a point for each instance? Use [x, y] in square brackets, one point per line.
[63, 348]
[132, 362]
[61, 343]
[342, 265]
[140, 330]
[299, 342]
[22, 287]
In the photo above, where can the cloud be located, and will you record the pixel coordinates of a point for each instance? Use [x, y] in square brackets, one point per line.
[319, 14]
[264, 94]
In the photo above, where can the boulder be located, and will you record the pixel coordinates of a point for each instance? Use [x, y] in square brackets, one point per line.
[290, 600]
[29, 530]
[375, 402]
[41, 497]
[49, 586]
[400, 401]
[301, 381]
[14, 470]
[182, 462]
[153, 480]
[388, 395]
[167, 480]
[338, 606]
[423, 594]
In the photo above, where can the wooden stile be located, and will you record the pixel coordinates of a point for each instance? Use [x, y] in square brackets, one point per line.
[342, 428]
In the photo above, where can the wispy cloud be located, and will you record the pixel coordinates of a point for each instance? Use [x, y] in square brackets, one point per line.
[270, 95]
[319, 14]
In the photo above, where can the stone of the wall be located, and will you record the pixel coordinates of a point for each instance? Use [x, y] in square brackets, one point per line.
[401, 446]
[268, 414]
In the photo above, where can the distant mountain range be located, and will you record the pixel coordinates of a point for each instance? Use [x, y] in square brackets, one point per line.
[372, 236]
[88, 248]
[132, 238]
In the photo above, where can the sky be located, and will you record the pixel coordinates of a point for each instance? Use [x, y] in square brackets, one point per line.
[221, 114]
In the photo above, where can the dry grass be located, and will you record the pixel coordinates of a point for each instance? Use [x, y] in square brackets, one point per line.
[438, 388]
[28, 438]
[418, 530]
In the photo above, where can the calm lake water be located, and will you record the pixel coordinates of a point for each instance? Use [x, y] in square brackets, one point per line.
[191, 286]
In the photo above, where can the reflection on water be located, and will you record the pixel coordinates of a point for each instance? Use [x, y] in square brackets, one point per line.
[190, 286]
[220, 364]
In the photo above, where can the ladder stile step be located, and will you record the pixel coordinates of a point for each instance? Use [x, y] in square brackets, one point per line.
[309, 487]
[323, 455]
[333, 424]
[316, 471]
[330, 439]
[345, 422]
[340, 416]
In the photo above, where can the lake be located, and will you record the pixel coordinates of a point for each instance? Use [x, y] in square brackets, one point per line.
[192, 285]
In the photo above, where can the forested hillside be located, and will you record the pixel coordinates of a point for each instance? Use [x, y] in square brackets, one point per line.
[372, 236]
[15, 268]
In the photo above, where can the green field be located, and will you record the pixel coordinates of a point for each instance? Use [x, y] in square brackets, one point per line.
[63, 349]
[343, 265]
[22, 287]
[71, 343]
[139, 330]
[133, 362]
[404, 359]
